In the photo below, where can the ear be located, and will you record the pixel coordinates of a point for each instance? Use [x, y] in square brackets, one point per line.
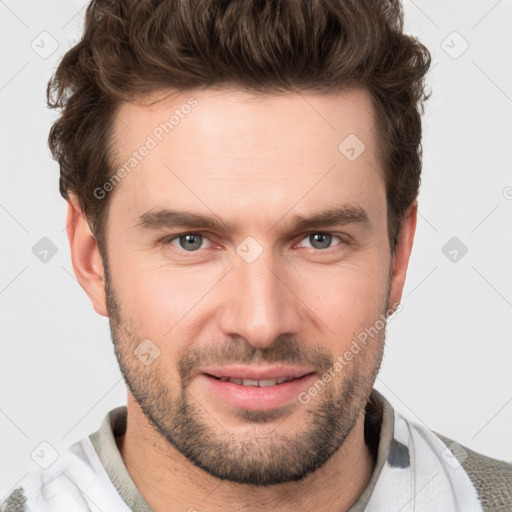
[85, 256]
[402, 254]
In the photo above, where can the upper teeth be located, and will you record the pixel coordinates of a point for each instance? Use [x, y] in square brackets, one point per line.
[260, 383]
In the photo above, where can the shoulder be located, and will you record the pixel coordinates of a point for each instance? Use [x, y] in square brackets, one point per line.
[56, 486]
[76, 477]
[14, 502]
[492, 478]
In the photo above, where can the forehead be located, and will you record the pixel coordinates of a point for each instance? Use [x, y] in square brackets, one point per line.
[213, 147]
[249, 120]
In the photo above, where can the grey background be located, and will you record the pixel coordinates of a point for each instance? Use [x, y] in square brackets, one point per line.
[449, 350]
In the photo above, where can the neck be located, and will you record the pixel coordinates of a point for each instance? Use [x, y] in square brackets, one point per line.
[169, 482]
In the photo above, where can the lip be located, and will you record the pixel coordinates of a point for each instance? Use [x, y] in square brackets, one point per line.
[255, 397]
[257, 373]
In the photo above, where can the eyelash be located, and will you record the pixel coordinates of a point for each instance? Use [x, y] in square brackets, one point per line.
[329, 250]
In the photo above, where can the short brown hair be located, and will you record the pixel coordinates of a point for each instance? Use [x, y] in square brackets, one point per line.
[131, 48]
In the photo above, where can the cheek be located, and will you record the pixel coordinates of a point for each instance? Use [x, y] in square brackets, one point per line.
[160, 300]
[347, 300]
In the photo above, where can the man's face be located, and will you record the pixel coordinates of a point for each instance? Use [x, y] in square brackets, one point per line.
[261, 294]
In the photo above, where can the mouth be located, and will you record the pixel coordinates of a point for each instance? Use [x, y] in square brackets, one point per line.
[257, 388]
[263, 383]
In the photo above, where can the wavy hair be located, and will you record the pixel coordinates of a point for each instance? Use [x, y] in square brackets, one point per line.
[132, 48]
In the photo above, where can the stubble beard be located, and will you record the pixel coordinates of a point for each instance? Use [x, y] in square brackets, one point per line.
[252, 454]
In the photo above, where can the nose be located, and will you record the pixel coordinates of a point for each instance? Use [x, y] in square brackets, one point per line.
[259, 303]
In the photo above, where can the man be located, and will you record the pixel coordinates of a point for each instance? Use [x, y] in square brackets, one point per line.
[242, 180]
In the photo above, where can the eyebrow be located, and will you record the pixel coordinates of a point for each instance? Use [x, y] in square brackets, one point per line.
[166, 218]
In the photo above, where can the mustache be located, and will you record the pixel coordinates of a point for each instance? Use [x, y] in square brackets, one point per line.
[284, 351]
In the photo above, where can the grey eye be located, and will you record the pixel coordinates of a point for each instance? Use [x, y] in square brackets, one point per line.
[191, 241]
[320, 240]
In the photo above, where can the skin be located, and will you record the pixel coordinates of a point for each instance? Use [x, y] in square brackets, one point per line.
[255, 162]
